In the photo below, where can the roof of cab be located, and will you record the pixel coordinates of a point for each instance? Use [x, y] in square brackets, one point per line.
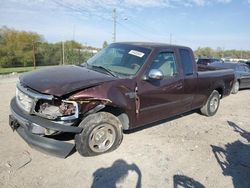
[151, 44]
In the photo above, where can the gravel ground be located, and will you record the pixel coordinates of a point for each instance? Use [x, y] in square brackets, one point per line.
[189, 151]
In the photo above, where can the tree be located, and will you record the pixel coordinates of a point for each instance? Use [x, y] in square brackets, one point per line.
[105, 44]
[16, 47]
[204, 52]
[48, 54]
[75, 53]
[221, 53]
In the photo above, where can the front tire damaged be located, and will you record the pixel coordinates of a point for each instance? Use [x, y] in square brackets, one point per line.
[102, 133]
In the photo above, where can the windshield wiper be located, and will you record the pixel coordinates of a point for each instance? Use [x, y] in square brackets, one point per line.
[105, 69]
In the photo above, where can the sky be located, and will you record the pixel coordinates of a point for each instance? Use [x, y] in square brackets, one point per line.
[193, 23]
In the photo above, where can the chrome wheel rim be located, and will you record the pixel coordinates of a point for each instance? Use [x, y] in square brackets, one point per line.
[102, 138]
[214, 103]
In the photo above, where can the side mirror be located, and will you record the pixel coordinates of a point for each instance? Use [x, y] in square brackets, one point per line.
[155, 74]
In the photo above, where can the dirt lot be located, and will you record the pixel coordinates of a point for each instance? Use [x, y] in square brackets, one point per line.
[190, 151]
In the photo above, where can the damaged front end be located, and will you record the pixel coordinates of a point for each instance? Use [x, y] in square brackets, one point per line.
[47, 106]
[36, 116]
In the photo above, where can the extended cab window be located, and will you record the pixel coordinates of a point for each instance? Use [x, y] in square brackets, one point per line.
[165, 62]
[186, 61]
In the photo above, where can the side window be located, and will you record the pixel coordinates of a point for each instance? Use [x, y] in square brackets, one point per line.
[186, 61]
[165, 62]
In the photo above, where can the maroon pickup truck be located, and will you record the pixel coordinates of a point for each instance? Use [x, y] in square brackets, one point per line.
[124, 86]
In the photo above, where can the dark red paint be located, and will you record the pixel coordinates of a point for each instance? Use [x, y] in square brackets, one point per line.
[144, 101]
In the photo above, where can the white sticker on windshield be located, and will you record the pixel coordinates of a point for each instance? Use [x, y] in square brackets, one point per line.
[136, 53]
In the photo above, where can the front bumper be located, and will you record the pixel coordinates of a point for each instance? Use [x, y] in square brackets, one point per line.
[26, 126]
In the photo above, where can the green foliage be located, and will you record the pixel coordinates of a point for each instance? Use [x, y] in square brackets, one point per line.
[203, 52]
[48, 54]
[105, 44]
[16, 47]
[16, 50]
[75, 53]
[221, 53]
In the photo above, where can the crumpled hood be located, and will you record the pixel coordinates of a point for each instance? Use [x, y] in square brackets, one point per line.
[62, 80]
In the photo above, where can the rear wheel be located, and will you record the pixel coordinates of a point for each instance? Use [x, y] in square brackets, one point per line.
[212, 104]
[236, 87]
[102, 132]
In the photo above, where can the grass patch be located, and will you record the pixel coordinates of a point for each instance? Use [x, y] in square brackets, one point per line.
[18, 69]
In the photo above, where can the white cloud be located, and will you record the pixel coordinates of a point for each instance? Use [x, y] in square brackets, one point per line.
[107, 4]
[148, 3]
[171, 3]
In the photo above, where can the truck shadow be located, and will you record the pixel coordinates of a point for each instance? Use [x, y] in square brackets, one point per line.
[186, 182]
[117, 173]
[146, 126]
[234, 159]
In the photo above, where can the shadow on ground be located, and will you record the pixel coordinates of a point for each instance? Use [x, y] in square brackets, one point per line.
[234, 158]
[181, 181]
[117, 173]
[239, 130]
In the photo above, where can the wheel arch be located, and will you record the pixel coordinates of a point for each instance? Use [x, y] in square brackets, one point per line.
[220, 87]
[239, 80]
[120, 113]
[220, 91]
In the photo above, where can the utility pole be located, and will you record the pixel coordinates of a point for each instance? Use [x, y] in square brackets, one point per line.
[79, 55]
[114, 18]
[170, 38]
[74, 28]
[34, 54]
[62, 52]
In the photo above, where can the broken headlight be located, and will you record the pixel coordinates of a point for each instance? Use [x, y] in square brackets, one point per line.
[58, 110]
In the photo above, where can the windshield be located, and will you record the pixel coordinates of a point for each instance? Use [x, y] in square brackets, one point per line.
[120, 59]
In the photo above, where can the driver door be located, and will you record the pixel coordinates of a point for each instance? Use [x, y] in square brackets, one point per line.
[161, 98]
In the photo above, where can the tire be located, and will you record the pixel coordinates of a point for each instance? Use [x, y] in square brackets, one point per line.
[236, 87]
[212, 104]
[102, 133]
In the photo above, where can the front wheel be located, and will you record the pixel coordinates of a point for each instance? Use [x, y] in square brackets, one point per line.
[102, 133]
[212, 104]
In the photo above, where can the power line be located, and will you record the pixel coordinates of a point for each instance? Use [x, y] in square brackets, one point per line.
[141, 25]
[71, 7]
[81, 10]
[132, 31]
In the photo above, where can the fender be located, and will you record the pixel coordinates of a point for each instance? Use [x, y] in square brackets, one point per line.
[118, 96]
